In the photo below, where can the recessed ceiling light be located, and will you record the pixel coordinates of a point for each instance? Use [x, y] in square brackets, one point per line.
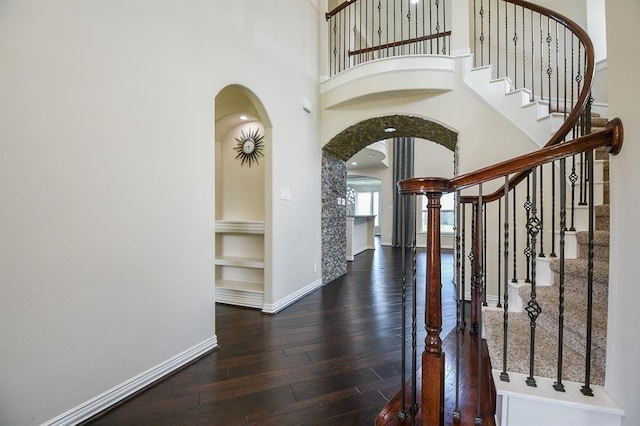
[354, 163]
[415, 1]
[243, 117]
[390, 129]
[370, 155]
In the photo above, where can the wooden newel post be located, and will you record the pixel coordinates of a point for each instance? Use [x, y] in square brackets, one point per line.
[432, 404]
[433, 357]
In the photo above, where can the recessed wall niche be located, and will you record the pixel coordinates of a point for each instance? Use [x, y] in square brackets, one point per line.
[240, 204]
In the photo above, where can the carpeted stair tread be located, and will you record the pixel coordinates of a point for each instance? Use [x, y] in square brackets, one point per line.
[598, 122]
[579, 267]
[600, 245]
[546, 349]
[602, 217]
[575, 320]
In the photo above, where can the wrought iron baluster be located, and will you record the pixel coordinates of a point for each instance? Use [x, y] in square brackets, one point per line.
[414, 314]
[557, 70]
[463, 321]
[506, 40]
[497, 39]
[586, 388]
[438, 25]
[459, 301]
[379, 27]
[479, 286]
[524, 52]
[515, 47]
[527, 250]
[402, 414]
[499, 305]
[515, 260]
[541, 217]
[553, 209]
[573, 178]
[484, 257]
[481, 32]
[563, 225]
[431, 26]
[409, 25]
[549, 69]
[533, 308]
[504, 376]
[474, 262]
[533, 47]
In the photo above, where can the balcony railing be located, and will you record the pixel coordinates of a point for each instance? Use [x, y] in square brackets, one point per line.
[365, 30]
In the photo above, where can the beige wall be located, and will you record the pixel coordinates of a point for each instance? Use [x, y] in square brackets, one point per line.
[623, 346]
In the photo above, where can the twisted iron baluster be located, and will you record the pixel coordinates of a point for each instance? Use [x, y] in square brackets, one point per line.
[586, 388]
[463, 321]
[402, 414]
[499, 305]
[553, 209]
[515, 260]
[484, 258]
[527, 250]
[533, 308]
[414, 323]
[459, 300]
[573, 178]
[504, 376]
[473, 258]
[379, 26]
[563, 225]
[541, 254]
[438, 25]
[479, 286]
[549, 69]
[481, 32]
[515, 47]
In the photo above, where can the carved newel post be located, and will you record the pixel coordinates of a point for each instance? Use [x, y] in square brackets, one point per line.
[432, 404]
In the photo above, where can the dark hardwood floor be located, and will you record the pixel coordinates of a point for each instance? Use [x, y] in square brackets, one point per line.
[332, 358]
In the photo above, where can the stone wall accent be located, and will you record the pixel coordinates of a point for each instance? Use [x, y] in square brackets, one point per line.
[334, 220]
[351, 140]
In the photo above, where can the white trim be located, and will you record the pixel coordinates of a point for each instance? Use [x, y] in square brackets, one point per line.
[119, 392]
[601, 65]
[272, 308]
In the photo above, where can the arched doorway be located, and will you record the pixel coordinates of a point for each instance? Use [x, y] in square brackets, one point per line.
[340, 149]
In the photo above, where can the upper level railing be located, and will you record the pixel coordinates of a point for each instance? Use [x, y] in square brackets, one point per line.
[364, 30]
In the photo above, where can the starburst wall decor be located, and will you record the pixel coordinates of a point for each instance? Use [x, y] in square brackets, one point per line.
[249, 146]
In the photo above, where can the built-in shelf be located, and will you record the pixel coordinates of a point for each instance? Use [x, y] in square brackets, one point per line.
[238, 276]
[245, 262]
[240, 226]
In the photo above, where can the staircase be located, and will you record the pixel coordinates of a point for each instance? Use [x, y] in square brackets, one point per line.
[598, 409]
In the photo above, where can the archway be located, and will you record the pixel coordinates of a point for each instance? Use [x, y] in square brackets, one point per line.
[334, 174]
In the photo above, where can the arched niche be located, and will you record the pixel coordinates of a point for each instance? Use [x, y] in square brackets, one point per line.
[242, 207]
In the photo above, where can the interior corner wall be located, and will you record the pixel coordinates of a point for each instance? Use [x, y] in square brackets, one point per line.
[623, 340]
[334, 219]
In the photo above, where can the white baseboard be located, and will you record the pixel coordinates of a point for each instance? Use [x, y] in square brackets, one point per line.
[272, 308]
[116, 394]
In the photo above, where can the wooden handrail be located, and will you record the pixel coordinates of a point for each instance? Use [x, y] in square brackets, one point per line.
[399, 43]
[612, 138]
[338, 8]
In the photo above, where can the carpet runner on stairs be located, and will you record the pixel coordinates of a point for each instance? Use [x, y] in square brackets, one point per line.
[575, 308]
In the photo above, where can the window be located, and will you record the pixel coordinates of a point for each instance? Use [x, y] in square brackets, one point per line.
[447, 219]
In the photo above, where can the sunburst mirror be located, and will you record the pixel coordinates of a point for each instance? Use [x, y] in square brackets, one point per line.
[249, 146]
